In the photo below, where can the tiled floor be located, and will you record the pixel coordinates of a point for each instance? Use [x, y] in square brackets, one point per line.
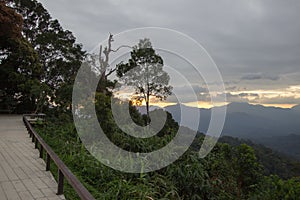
[22, 172]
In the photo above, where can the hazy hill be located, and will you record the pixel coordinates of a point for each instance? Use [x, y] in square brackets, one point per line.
[296, 108]
[289, 144]
[246, 121]
[277, 128]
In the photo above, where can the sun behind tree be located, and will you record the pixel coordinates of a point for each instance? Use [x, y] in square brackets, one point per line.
[144, 72]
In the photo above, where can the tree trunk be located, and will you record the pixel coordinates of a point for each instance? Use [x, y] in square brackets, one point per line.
[148, 116]
[240, 183]
[147, 106]
[102, 83]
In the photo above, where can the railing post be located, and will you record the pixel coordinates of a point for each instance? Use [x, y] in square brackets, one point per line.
[30, 132]
[36, 144]
[32, 139]
[60, 188]
[41, 151]
[48, 162]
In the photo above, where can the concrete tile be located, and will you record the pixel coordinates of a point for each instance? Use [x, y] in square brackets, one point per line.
[2, 194]
[19, 186]
[25, 195]
[10, 191]
[22, 172]
[36, 193]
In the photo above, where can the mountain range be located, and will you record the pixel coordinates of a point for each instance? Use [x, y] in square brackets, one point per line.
[277, 128]
[245, 120]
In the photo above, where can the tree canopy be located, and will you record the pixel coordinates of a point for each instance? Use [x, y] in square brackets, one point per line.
[52, 55]
[57, 49]
[19, 65]
[144, 71]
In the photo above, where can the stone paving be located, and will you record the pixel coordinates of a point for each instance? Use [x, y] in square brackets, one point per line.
[22, 172]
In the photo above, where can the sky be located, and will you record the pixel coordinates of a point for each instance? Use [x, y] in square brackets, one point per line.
[255, 44]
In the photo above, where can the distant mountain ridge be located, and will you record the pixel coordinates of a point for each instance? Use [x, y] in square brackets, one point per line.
[276, 128]
[296, 108]
[243, 120]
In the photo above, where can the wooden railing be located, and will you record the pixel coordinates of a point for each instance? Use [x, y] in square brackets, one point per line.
[63, 170]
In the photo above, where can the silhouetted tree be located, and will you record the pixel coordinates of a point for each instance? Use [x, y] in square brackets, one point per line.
[58, 52]
[19, 65]
[144, 71]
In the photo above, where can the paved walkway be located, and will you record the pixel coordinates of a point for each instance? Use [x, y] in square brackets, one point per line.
[22, 172]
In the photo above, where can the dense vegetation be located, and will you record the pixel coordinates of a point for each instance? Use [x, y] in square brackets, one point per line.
[280, 143]
[39, 60]
[228, 172]
[272, 161]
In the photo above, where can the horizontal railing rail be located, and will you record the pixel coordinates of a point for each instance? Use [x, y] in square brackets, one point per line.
[63, 170]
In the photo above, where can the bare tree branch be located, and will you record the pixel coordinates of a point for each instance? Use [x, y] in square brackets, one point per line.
[122, 46]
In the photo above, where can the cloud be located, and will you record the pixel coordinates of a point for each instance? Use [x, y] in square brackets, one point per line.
[185, 94]
[273, 78]
[206, 97]
[278, 100]
[231, 88]
[248, 95]
[258, 76]
[251, 77]
[254, 43]
[241, 97]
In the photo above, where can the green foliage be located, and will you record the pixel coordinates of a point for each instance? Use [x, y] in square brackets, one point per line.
[275, 188]
[125, 141]
[228, 172]
[248, 170]
[19, 65]
[272, 161]
[10, 26]
[59, 55]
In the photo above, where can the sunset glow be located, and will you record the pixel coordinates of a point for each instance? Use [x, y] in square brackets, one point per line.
[281, 98]
[277, 105]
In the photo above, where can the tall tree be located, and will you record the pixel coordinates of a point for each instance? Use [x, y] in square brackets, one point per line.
[57, 49]
[19, 66]
[144, 72]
